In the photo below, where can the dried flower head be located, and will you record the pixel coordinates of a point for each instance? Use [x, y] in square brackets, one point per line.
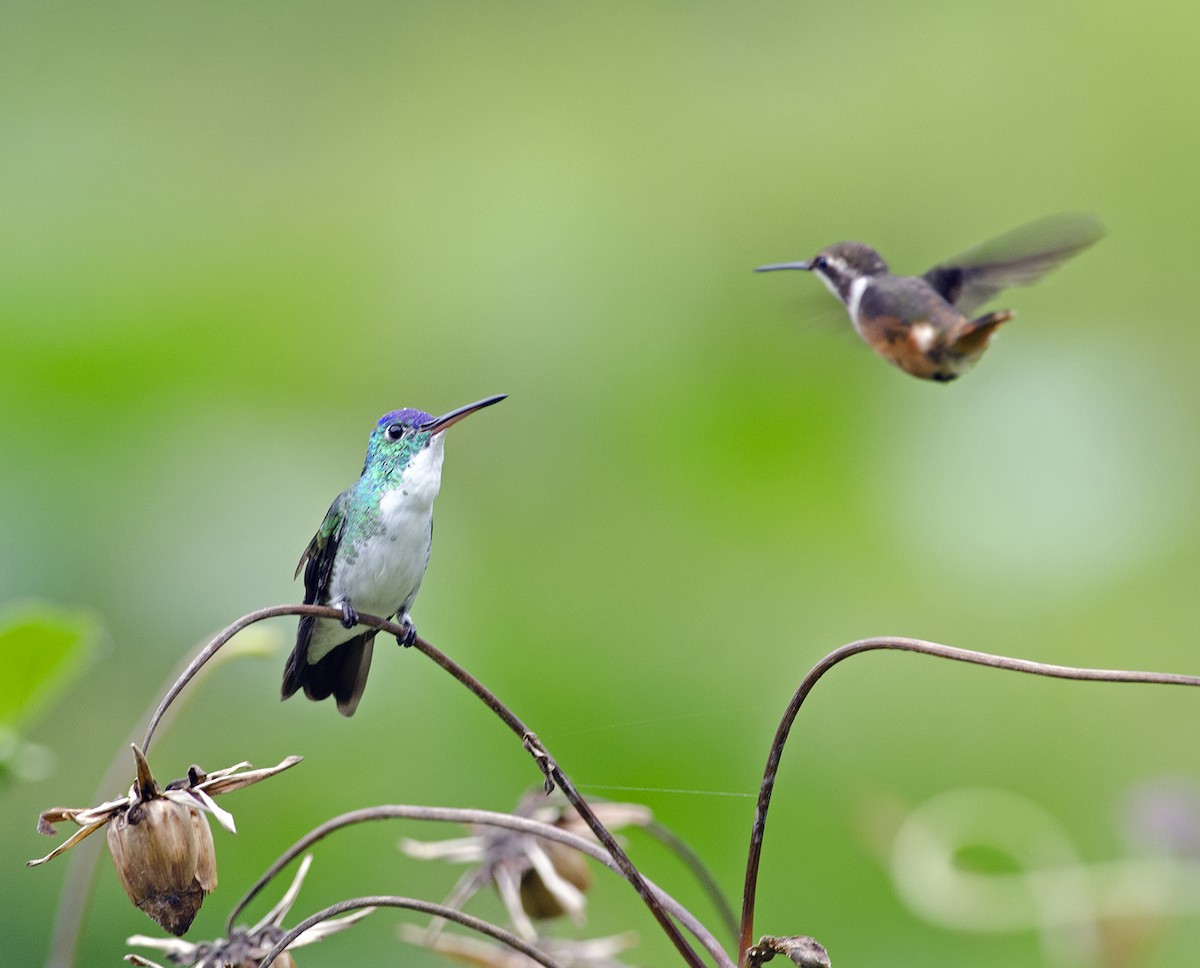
[801, 950]
[159, 839]
[164, 855]
[246, 947]
[536, 878]
[591, 953]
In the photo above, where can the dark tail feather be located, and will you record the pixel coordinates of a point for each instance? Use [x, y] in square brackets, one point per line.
[342, 673]
[351, 673]
[974, 338]
[297, 663]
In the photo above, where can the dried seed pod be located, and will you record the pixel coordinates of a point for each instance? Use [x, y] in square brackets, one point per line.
[247, 947]
[206, 853]
[159, 838]
[541, 896]
[164, 856]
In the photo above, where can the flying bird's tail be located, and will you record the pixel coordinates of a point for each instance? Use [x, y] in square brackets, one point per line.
[342, 673]
[974, 337]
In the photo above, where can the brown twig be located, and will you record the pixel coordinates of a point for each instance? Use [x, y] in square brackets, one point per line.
[902, 645]
[202, 657]
[556, 777]
[412, 904]
[699, 870]
[479, 818]
[545, 762]
[82, 864]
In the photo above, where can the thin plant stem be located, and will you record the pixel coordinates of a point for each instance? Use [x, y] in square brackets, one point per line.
[554, 776]
[478, 818]
[411, 904]
[699, 870]
[901, 645]
[200, 659]
[82, 864]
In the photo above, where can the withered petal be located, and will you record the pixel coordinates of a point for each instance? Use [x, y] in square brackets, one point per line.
[206, 854]
[69, 842]
[224, 781]
[323, 930]
[147, 786]
[48, 818]
[171, 947]
[275, 916]
[199, 800]
[105, 811]
[144, 962]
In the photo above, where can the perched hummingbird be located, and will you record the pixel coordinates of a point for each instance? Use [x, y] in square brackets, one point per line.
[370, 554]
[922, 324]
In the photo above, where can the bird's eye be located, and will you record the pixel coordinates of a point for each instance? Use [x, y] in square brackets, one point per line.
[394, 431]
[820, 263]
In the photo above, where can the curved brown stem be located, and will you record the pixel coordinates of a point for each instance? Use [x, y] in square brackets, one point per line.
[411, 904]
[550, 769]
[745, 941]
[481, 818]
[699, 870]
[556, 777]
[207, 653]
[84, 860]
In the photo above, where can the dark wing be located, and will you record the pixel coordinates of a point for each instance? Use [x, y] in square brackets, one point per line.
[1018, 258]
[317, 562]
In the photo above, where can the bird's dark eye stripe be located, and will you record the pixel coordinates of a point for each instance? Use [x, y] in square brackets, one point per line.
[820, 262]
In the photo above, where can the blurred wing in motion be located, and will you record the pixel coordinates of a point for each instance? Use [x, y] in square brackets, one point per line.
[1017, 258]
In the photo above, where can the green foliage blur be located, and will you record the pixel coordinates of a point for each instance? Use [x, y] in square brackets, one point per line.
[234, 234]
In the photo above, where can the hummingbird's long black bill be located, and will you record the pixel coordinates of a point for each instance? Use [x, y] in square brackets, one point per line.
[447, 420]
[806, 266]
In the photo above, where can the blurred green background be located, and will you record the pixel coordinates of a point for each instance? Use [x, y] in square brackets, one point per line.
[234, 234]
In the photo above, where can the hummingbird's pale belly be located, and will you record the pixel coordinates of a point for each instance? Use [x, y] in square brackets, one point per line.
[380, 574]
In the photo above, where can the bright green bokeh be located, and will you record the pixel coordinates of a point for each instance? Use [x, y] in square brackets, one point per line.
[234, 234]
[43, 650]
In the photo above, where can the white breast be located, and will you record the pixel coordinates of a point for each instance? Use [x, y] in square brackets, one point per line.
[854, 300]
[383, 573]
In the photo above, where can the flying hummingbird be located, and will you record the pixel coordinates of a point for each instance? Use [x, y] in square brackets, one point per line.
[370, 554]
[922, 324]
